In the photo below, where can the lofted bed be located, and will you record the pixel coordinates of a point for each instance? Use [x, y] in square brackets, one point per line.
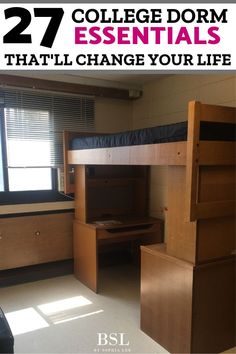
[202, 166]
[192, 152]
[189, 279]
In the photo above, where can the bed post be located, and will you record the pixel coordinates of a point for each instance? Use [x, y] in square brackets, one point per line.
[192, 159]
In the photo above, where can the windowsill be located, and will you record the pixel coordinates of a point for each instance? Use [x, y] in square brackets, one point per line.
[33, 201]
[26, 197]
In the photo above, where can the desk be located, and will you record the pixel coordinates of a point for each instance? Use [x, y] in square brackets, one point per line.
[89, 236]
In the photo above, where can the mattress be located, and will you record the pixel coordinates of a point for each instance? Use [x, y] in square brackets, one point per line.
[155, 135]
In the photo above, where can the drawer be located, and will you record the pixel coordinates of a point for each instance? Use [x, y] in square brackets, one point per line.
[28, 240]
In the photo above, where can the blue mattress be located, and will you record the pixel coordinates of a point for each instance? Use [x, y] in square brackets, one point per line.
[156, 135]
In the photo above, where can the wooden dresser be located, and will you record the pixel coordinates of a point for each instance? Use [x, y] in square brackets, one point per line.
[35, 239]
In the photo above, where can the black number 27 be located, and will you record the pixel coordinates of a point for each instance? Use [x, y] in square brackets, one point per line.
[15, 35]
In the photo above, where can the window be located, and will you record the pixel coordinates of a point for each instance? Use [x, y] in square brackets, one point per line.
[28, 149]
[33, 123]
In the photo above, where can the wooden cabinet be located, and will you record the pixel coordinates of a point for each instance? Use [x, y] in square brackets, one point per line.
[28, 240]
[187, 308]
[106, 192]
[17, 242]
[111, 207]
[188, 290]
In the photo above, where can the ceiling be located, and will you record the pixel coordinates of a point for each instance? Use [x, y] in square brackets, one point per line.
[116, 79]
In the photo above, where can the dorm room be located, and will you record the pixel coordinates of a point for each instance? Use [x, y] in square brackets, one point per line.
[183, 246]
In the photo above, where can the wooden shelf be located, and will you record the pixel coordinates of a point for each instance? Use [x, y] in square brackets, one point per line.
[112, 182]
[105, 192]
[124, 221]
[111, 208]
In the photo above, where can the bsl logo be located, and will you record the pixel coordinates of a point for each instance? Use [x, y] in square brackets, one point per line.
[112, 339]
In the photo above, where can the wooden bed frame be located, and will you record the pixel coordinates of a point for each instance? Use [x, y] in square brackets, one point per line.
[192, 153]
[199, 256]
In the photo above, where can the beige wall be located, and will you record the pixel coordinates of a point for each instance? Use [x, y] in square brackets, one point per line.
[165, 101]
[113, 115]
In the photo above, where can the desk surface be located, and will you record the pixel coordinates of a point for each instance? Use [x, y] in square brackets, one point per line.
[33, 201]
[119, 222]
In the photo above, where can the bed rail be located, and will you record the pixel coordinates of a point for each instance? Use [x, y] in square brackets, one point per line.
[153, 154]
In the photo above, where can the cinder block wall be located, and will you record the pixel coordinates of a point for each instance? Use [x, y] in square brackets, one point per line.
[165, 101]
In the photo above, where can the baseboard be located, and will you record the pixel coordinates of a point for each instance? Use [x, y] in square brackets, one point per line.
[36, 272]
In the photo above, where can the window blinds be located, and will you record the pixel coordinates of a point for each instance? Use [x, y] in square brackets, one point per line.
[35, 121]
[1, 162]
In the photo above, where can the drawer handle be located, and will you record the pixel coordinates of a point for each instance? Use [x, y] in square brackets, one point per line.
[37, 233]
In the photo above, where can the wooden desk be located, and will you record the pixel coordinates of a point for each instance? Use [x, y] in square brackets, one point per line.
[89, 236]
